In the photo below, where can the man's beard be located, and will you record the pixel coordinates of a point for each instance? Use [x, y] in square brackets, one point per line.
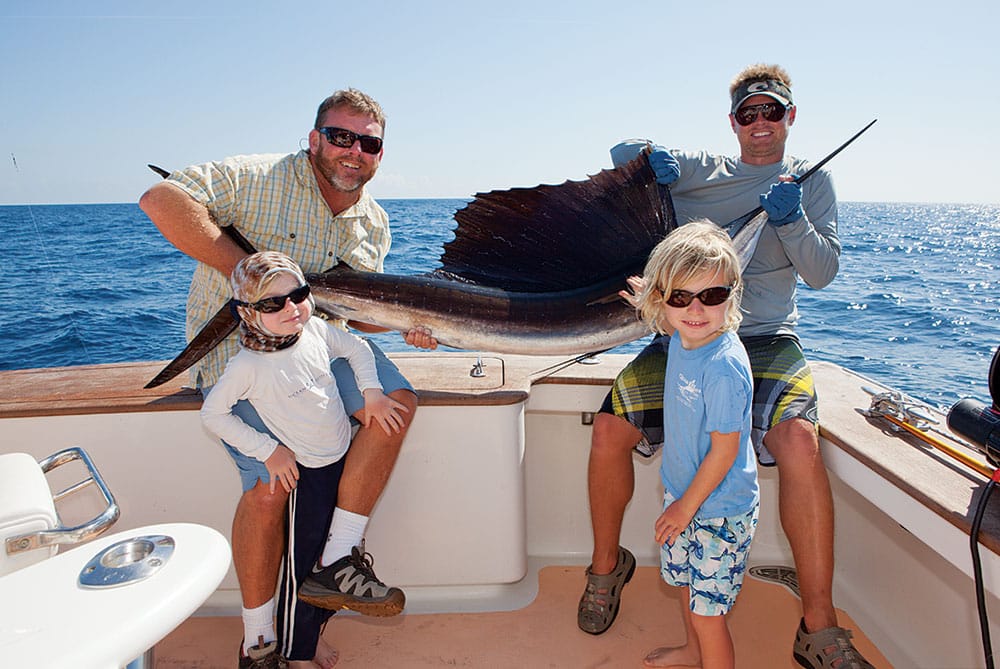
[344, 184]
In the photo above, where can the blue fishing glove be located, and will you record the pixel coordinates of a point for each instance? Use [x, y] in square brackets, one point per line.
[783, 203]
[664, 165]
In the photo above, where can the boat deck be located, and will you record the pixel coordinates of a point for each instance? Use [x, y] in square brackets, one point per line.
[877, 474]
[542, 635]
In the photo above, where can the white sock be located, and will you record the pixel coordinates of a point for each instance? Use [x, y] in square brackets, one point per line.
[347, 529]
[258, 622]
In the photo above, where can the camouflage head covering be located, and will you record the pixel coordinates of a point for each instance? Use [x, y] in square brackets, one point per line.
[250, 282]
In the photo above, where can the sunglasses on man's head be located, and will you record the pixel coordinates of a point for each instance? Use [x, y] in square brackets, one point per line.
[772, 111]
[345, 139]
[270, 305]
[710, 297]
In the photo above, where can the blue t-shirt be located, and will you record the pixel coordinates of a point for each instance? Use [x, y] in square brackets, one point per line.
[709, 389]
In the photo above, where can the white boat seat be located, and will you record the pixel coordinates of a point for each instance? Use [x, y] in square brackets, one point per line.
[30, 528]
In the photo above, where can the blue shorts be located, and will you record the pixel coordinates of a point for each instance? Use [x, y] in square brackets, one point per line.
[252, 469]
[710, 558]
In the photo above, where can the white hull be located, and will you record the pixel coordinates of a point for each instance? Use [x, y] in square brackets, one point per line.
[491, 484]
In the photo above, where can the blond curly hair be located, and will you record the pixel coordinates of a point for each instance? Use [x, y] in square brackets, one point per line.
[699, 246]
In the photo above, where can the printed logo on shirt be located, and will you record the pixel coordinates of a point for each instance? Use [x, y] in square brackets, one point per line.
[688, 391]
[315, 382]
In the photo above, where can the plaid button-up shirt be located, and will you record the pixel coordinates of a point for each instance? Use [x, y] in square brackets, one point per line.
[273, 200]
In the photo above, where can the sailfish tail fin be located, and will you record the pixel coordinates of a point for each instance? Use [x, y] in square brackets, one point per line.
[211, 335]
[215, 331]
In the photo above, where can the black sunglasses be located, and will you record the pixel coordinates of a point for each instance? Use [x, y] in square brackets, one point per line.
[772, 111]
[269, 305]
[345, 139]
[710, 297]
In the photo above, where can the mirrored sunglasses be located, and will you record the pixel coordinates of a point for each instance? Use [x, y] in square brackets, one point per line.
[710, 297]
[345, 139]
[772, 111]
[269, 305]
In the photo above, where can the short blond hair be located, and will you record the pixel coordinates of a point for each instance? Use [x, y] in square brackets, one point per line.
[353, 101]
[760, 72]
[695, 247]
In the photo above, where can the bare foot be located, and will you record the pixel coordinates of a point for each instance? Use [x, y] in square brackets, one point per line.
[326, 655]
[676, 656]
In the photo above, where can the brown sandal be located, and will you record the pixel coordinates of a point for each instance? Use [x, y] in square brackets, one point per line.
[602, 596]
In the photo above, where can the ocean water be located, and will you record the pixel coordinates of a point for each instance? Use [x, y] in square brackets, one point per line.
[916, 304]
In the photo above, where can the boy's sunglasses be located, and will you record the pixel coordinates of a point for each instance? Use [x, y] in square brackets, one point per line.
[269, 305]
[345, 139]
[772, 111]
[710, 297]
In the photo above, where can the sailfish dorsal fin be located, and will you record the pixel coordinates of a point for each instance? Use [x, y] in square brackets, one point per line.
[560, 237]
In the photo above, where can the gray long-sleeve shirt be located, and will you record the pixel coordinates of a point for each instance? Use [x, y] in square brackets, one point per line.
[722, 189]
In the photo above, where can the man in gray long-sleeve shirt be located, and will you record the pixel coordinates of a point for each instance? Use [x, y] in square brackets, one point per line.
[799, 241]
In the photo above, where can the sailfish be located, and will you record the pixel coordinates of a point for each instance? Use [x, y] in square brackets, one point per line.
[530, 270]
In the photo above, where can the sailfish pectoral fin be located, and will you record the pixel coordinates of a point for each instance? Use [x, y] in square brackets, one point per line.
[210, 336]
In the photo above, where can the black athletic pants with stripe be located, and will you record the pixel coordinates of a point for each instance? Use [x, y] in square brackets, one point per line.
[310, 510]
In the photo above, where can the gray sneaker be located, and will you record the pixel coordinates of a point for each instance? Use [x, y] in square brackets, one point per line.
[350, 583]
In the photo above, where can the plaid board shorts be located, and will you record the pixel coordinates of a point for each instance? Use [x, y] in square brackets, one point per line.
[782, 389]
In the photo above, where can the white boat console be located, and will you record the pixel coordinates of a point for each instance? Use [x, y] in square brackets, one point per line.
[103, 604]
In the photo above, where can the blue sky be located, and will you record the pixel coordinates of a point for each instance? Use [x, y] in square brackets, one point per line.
[485, 95]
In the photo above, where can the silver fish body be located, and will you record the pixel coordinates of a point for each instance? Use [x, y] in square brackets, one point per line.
[480, 318]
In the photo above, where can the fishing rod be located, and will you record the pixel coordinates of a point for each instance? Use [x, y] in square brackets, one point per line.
[738, 224]
[883, 407]
[559, 366]
[980, 424]
[910, 417]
